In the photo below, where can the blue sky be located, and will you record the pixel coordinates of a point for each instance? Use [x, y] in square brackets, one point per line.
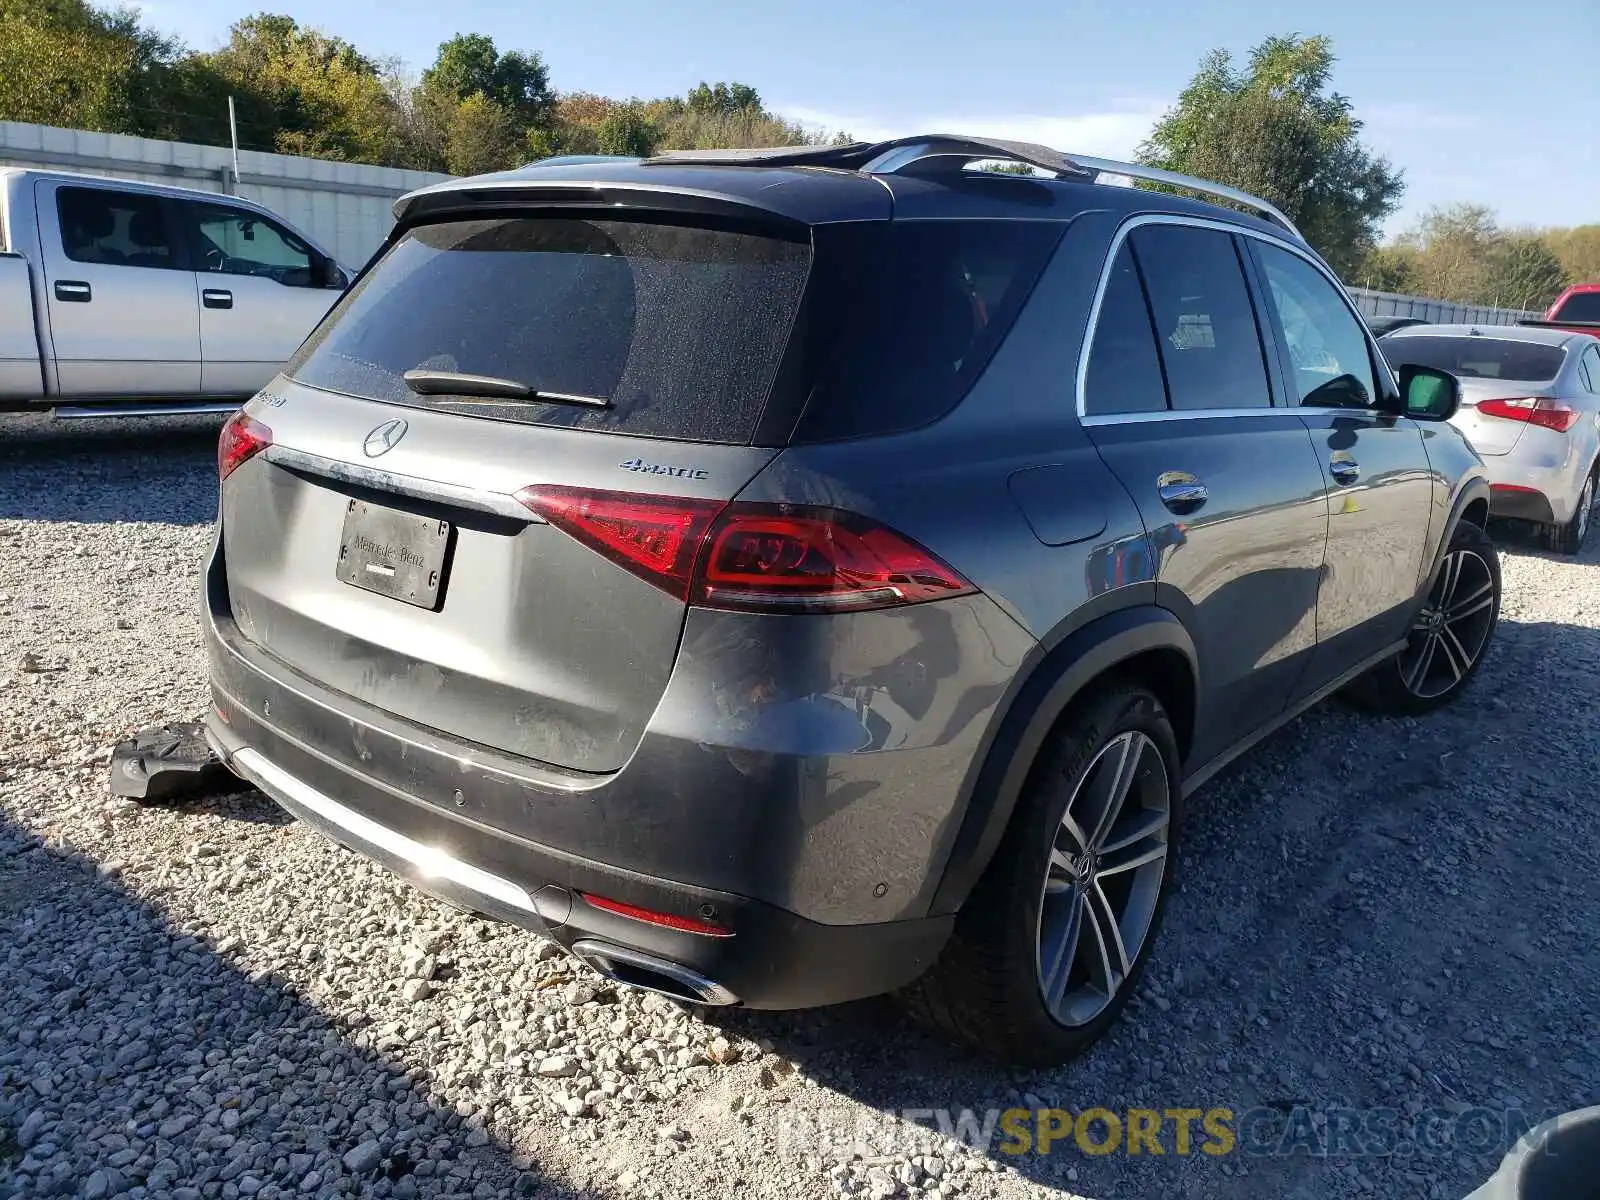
[1492, 103]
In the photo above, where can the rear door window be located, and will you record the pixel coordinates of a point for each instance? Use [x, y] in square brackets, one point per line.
[1477, 357]
[676, 331]
[1124, 373]
[121, 229]
[1205, 324]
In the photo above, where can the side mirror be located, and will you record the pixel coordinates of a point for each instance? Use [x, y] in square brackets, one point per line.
[1429, 394]
[331, 275]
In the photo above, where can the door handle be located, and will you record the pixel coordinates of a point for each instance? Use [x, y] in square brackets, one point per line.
[1181, 492]
[1344, 469]
[216, 298]
[74, 291]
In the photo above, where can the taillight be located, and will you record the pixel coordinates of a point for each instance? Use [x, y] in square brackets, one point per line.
[750, 557]
[764, 557]
[243, 437]
[1535, 410]
[655, 537]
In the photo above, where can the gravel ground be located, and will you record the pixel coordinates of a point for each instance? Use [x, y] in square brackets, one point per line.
[1382, 931]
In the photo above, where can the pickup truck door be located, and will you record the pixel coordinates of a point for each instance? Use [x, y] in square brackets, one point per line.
[262, 290]
[123, 314]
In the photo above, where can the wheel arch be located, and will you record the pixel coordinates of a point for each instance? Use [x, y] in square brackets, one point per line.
[1145, 642]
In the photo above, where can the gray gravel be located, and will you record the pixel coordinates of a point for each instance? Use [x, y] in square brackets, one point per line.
[203, 1001]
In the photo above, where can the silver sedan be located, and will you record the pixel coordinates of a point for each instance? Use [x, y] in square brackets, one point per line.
[1530, 406]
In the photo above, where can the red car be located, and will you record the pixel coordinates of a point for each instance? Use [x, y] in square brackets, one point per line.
[1577, 309]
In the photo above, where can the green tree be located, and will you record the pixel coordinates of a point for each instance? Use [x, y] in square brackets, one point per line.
[519, 81]
[1578, 249]
[1388, 269]
[1524, 272]
[482, 136]
[307, 92]
[723, 99]
[1451, 249]
[626, 130]
[1276, 130]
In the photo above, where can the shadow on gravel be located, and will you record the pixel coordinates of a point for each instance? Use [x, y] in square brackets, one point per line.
[157, 469]
[132, 1055]
[1378, 960]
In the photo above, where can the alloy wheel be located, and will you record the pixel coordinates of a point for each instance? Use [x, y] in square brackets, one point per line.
[1451, 630]
[1104, 878]
[1585, 509]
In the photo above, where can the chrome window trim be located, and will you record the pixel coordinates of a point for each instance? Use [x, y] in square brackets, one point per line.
[1379, 364]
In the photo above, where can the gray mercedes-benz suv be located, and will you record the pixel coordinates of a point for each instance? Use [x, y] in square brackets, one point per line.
[792, 576]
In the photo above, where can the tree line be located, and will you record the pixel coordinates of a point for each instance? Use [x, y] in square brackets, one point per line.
[1272, 126]
[300, 91]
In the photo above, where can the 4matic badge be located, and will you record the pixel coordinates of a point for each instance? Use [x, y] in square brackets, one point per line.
[644, 468]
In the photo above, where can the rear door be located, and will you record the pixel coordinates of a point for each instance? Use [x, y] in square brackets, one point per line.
[261, 291]
[1378, 481]
[1177, 398]
[124, 317]
[648, 352]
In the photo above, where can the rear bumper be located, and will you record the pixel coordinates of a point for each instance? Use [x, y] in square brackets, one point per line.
[822, 866]
[774, 959]
[1520, 502]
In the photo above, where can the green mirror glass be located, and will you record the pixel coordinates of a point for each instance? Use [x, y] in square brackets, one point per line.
[1429, 394]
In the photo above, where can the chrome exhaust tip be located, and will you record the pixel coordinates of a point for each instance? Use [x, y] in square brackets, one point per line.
[638, 969]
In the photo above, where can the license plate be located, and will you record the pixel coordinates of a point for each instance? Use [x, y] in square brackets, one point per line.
[393, 553]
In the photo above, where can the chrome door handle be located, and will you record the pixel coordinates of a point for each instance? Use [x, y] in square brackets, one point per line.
[1181, 492]
[1345, 470]
[73, 291]
[216, 298]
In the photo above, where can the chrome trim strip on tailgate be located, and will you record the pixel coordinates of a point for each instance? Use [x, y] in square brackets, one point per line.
[498, 503]
[428, 861]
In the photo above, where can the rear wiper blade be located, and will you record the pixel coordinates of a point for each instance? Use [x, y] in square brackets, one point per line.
[457, 383]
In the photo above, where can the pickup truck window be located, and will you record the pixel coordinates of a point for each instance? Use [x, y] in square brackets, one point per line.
[228, 241]
[1580, 306]
[115, 228]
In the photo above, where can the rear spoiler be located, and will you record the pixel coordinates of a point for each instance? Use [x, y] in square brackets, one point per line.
[1575, 326]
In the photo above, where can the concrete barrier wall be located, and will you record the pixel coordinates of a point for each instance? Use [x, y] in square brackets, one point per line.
[344, 206]
[1439, 312]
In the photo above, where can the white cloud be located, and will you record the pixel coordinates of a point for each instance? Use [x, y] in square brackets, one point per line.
[1111, 134]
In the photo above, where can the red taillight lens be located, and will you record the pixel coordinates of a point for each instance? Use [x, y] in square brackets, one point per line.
[780, 557]
[665, 920]
[243, 437]
[1535, 410]
[751, 557]
[655, 537]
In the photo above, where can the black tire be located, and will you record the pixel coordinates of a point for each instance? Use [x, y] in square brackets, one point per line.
[1412, 682]
[1569, 538]
[986, 988]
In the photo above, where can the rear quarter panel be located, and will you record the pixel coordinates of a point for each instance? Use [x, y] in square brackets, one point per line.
[21, 371]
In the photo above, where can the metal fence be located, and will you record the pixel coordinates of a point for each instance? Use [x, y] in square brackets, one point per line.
[1439, 312]
[344, 206]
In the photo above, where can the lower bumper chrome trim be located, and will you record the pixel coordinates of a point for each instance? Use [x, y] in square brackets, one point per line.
[428, 861]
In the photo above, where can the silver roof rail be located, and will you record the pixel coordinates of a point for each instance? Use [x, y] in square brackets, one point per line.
[903, 156]
[936, 152]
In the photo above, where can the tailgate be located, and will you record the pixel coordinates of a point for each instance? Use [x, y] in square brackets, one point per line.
[379, 545]
[529, 642]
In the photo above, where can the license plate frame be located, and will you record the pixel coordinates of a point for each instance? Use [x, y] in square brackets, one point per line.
[395, 554]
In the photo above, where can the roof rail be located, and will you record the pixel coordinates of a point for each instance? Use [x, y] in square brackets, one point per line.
[933, 153]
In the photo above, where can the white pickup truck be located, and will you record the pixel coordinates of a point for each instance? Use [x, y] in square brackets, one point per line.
[122, 298]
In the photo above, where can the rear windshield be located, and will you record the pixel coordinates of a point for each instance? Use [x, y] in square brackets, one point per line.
[1582, 306]
[1477, 357]
[676, 331]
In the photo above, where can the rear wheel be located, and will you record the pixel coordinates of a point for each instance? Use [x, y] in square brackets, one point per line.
[1569, 538]
[1053, 939]
[1449, 635]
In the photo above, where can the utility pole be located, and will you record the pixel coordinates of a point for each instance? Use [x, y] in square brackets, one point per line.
[233, 133]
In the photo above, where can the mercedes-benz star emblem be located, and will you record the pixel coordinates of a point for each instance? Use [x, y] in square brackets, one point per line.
[384, 438]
